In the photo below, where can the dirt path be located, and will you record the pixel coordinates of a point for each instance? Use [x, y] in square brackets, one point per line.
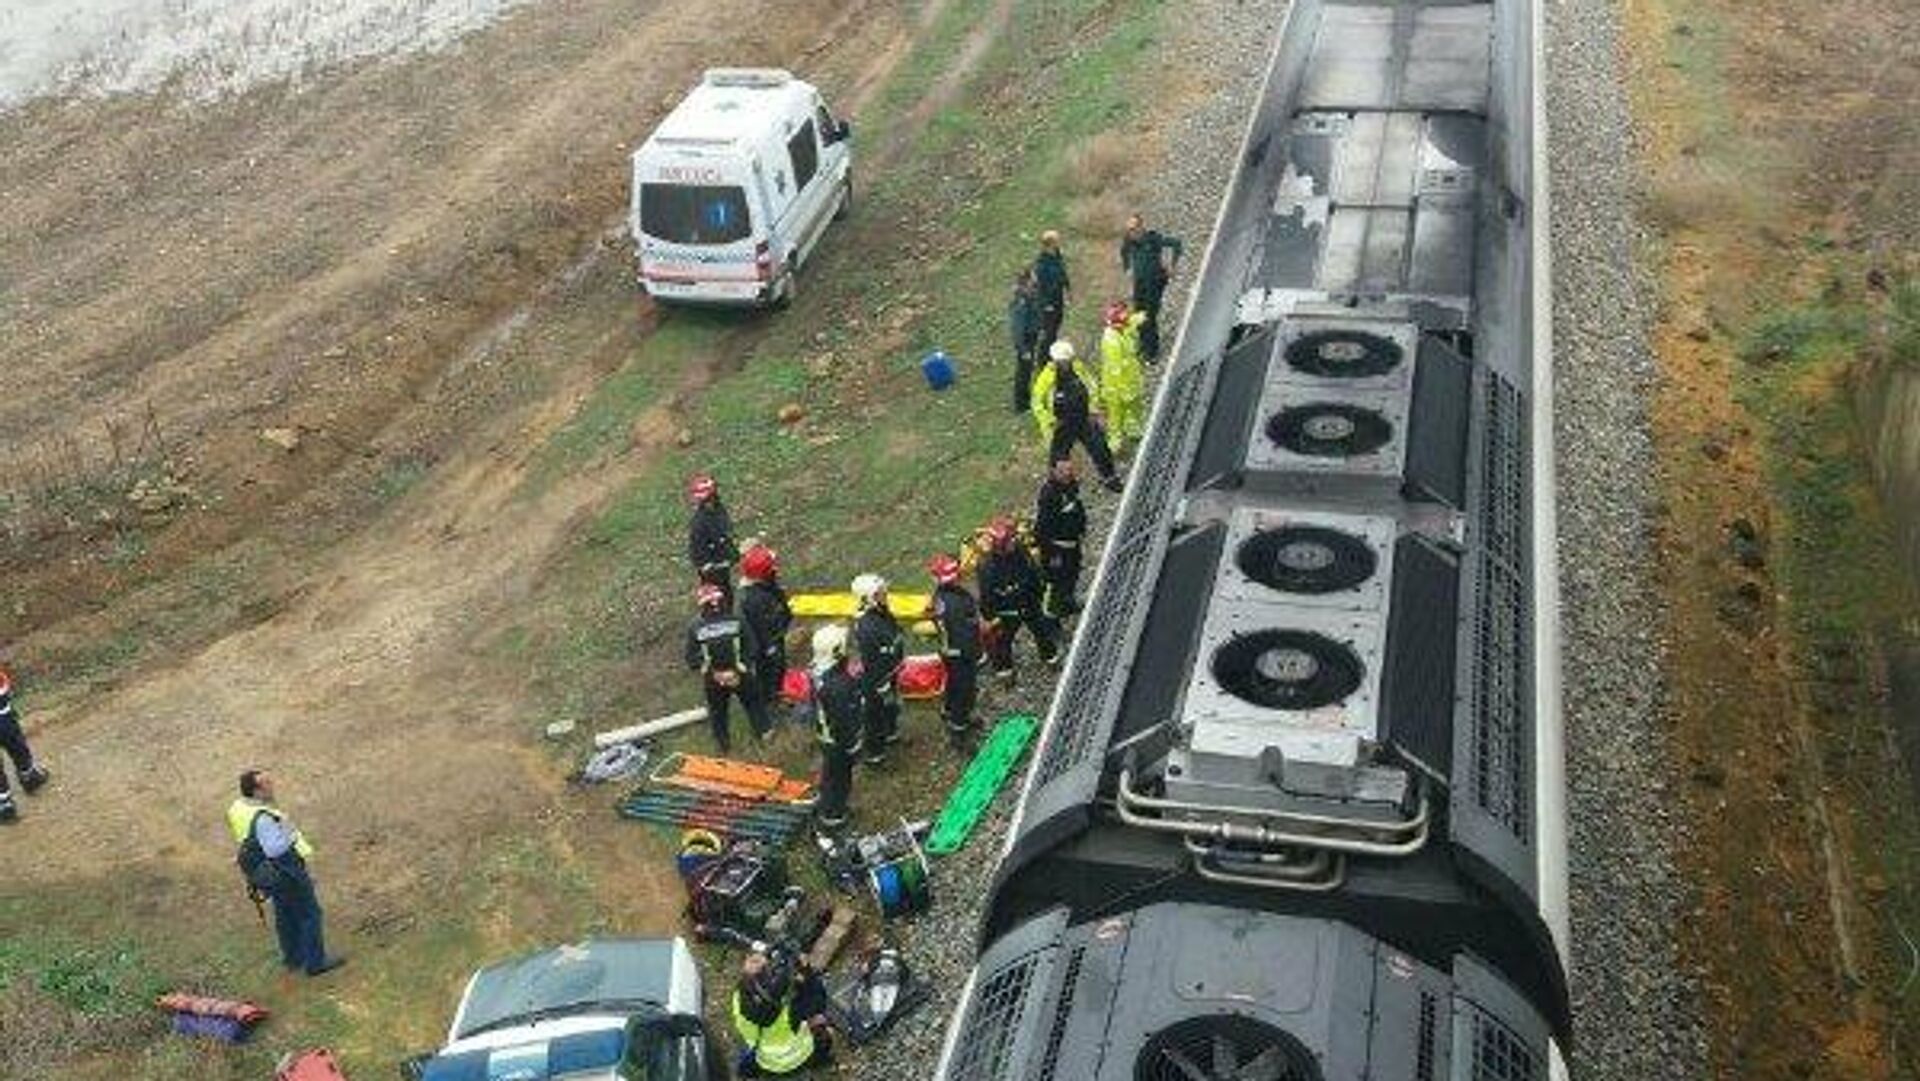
[363, 691]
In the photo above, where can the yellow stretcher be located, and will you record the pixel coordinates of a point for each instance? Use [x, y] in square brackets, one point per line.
[908, 608]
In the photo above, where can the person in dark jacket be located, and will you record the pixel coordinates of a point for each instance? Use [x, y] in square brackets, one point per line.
[837, 709]
[1059, 528]
[882, 646]
[1149, 258]
[764, 607]
[1010, 593]
[721, 647]
[1052, 287]
[710, 545]
[1064, 408]
[13, 741]
[1023, 326]
[957, 615]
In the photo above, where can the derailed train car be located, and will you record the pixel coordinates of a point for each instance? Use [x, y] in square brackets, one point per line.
[1297, 813]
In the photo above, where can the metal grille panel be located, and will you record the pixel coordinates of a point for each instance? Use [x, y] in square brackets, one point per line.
[1062, 1008]
[993, 1024]
[1502, 767]
[1499, 1055]
[1423, 1050]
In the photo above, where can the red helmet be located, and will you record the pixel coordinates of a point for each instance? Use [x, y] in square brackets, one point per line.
[1116, 314]
[1000, 534]
[944, 568]
[760, 562]
[710, 595]
[701, 487]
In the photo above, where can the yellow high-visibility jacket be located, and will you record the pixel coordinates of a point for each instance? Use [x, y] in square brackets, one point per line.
[1123, 378]
[1042, 395]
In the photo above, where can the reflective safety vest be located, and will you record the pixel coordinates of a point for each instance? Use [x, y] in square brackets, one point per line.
[779, 1048]
[241, 813]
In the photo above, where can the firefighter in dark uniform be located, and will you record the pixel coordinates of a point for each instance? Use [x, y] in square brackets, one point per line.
[955, 612]
[836, 699]
[1010, 592]
[721, 648]
[710, 546]
[1063, 397]
[882, 648]
[13, 742]
[1148, 256]
[1059, 527]
[764, 607]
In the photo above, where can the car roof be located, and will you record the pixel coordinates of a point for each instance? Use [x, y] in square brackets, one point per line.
[733, 105]
[595, 969]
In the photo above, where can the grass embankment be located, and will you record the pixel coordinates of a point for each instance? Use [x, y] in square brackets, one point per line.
[1782, 581]
[877, 475]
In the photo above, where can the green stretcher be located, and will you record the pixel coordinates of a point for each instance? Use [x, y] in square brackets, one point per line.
[990, 768]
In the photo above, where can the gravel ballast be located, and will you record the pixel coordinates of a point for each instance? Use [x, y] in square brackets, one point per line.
[1230, 44]
[1636, 1011]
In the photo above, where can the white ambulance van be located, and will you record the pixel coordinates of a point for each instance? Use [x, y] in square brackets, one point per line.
[732, 192]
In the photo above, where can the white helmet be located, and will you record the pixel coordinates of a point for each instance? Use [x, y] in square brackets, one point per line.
[829, 645]
[1061, 350]
[868, 586]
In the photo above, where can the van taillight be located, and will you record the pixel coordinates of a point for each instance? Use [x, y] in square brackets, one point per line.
[762, 261]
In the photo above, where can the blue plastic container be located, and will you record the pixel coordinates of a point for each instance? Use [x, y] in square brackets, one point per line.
[938, 368]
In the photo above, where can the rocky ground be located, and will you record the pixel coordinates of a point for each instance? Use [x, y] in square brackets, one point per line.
[1636, 1009]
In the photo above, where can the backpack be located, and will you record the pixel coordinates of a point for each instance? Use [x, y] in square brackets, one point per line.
[261, 873]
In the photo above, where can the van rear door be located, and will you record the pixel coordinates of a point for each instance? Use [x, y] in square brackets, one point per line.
[694, 231]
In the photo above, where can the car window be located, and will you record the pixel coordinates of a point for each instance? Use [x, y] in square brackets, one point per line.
[694, 214]
[543, 1060]
[804, 150]
[669, 1049]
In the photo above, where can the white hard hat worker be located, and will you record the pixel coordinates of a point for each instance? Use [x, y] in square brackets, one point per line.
[869, 589]
[829, 645]
[1061, 351]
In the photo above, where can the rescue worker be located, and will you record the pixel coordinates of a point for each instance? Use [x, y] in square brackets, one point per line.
[13, 740]
[1149, 258]
[882, 646]
[957, 615]
[1023, 326]
[1051, 286]
[1010, 593]
[779, 1013]
[274, 853]
[764, 607]
[1123, 381]
[837, 712]
[721, 647]
[1064, 394]
[710, 545]
[1059, 527]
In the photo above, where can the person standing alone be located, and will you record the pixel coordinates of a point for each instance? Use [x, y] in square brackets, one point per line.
[1149, 258]
[1052, 287]
[13, 740]
[273, 857]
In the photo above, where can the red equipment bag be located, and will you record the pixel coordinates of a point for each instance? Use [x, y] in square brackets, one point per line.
[315, 1065]
[796, 686]
[923, 675]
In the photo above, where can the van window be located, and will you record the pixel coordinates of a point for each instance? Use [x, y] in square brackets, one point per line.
[694, 214]
[805, 154]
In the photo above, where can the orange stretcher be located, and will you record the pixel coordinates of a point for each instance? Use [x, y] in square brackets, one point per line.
[727, 777]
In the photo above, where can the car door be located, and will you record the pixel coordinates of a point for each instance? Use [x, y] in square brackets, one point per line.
[812, 190]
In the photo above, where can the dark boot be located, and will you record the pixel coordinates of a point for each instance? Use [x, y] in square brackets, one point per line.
[8, 812]
[34, 779]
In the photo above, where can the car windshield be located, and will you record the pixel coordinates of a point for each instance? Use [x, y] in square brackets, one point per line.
[694, 214]
[578, 1055]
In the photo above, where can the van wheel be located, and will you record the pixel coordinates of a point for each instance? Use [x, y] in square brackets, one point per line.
[846, 200]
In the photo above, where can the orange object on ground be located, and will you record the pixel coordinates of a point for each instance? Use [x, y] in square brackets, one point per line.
[744, 780]
[923, 675]
[315, 1065]
[247, 1013]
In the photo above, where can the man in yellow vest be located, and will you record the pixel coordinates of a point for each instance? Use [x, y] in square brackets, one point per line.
[778, 1012]
[1123, 381]
[273, 857]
